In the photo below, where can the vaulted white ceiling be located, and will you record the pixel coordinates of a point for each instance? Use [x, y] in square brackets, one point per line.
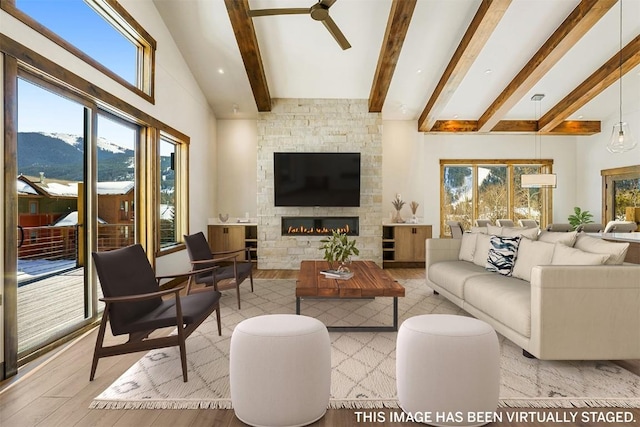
[302, 60]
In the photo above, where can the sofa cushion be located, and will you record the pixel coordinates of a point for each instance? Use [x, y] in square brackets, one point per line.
[530, 254]
[467, 246]
[506, 299]
[567, 239]
[452, 275]
[502, 254]
[617, 251]
[481, 253]
[564, 255]
[529, 233]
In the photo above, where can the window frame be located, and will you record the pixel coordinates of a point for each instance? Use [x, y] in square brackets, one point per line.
[546, 166]
[112, 12]
[181, 192]
[608, 177]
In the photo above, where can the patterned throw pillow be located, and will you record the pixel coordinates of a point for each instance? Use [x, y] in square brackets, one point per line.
[502, 254]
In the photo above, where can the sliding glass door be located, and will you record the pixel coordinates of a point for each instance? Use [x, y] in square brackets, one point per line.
[52, 290]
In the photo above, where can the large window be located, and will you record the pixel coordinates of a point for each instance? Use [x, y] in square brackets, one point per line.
[100, 32]
[621, 193]
[490, 189]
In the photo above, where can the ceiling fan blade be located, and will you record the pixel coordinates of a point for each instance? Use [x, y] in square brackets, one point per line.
[269, 12]
[327, 3]
[336, 33]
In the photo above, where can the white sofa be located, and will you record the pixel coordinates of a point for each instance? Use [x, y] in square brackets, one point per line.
[563, 312]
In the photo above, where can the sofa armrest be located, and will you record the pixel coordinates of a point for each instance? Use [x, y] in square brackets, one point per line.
[585, 312]
[438, 250]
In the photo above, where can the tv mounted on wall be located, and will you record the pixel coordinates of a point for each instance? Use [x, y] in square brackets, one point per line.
[317, 179]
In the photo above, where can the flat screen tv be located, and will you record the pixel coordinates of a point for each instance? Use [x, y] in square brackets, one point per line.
[317, 179]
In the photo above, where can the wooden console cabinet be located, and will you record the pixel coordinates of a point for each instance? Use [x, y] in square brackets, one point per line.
[403, 245]
[228, 237]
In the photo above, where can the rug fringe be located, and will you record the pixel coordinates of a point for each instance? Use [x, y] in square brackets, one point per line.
[161, 404]
[559, 402]
[362, 403]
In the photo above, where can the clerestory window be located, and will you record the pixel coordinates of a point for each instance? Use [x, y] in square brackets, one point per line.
[100, 32]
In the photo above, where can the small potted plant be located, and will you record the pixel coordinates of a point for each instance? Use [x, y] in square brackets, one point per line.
[579, 217]
[338, 250]
[398, 203]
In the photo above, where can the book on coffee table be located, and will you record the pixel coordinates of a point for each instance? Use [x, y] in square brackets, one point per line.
[335, 274]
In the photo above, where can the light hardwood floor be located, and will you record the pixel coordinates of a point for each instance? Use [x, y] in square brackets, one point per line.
[55, 391]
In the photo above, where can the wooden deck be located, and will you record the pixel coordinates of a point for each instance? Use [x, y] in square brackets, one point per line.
[50, 308]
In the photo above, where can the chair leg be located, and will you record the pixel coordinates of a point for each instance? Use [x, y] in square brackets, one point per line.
[183, 357]
[218, 320]
[238, 293]
[251, 279]
[99, 341]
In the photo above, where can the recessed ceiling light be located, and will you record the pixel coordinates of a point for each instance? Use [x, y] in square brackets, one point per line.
[455, 116]
[220, 71]
[488, 71]
[580, 116]
[419, 70]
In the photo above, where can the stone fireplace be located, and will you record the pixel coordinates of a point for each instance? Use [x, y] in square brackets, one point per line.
[318, 125]
[319, 226]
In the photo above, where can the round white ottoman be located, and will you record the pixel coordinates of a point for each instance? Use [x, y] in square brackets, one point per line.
[280, 370]
[448, 369]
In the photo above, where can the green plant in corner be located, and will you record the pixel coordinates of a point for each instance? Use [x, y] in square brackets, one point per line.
[580, 217]
[338, 249]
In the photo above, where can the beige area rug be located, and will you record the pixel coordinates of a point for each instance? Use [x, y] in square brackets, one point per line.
[363, 363]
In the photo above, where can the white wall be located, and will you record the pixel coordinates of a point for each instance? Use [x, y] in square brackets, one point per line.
[236, 168]
[403, 168]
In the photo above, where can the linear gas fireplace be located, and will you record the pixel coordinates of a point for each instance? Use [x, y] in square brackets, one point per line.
[319, 226]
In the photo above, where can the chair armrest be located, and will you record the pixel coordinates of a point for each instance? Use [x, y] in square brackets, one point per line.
[142, 297]
[235, 251]
[213, 260]
[188, 273]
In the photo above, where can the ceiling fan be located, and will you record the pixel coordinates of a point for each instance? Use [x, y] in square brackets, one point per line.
[319, 12]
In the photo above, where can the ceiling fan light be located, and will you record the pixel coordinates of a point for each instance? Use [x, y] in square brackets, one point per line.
[621, 139]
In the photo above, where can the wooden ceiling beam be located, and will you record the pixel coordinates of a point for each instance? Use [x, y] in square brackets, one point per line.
[397, 26]
[576, 25]
[597, 82]
[245, 33]
[570, 127]
[484, 22]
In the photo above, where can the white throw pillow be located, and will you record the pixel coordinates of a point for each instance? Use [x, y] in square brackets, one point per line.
[564, 255]
[481, 253]
[567, 239]
[529, 233]
[482, 230]
[494, 230]
[617, 251]
[530, 254]
[467, 246]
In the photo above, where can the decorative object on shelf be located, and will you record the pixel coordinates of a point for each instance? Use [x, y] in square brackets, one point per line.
[223, 218]
[538, 180]
[414, 209]
[398, 203]
[338, 250]
[580, 217]
[621, 139]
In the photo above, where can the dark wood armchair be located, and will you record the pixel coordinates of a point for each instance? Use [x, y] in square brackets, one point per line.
[233, 266]
[135, 306]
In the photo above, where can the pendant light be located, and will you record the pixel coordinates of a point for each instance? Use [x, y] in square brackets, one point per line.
[538, 180]
[621, 139]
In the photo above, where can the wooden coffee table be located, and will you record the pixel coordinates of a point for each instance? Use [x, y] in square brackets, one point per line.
[368, 281]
